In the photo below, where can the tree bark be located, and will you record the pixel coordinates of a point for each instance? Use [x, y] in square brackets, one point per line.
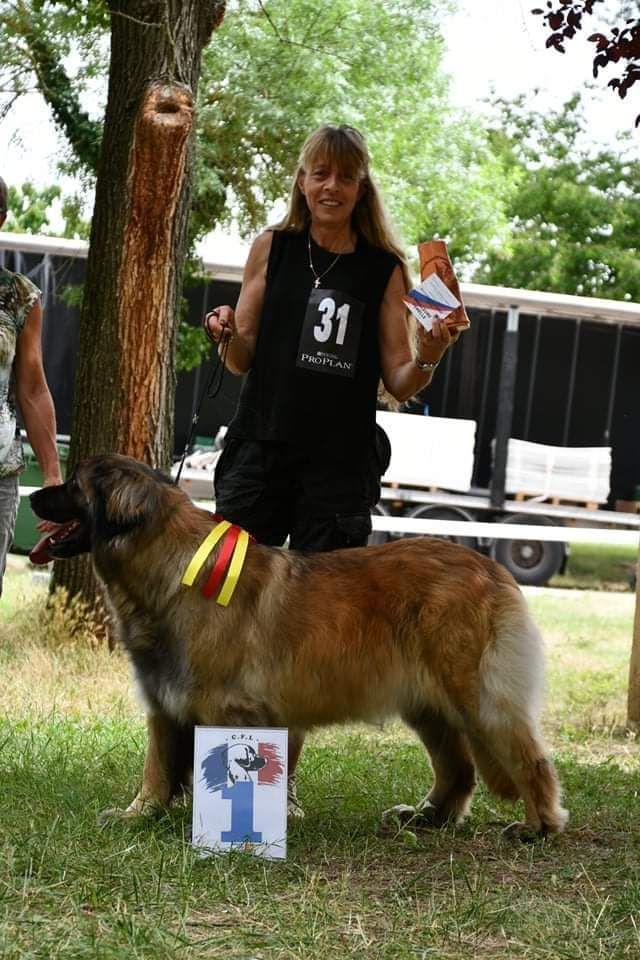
[125, 379]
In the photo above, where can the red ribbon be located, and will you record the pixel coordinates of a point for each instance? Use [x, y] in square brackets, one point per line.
[222, 561]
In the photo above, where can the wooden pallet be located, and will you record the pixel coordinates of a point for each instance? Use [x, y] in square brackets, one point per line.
[520, 496]
[628, 506]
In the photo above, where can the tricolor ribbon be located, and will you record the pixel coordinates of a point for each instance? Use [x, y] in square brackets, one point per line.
[231, 555]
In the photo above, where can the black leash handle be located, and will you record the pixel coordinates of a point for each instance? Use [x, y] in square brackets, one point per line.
[211, 390]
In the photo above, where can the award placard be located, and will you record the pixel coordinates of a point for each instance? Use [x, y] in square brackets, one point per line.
[240, 790]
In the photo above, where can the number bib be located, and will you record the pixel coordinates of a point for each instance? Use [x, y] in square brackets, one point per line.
[330, 334]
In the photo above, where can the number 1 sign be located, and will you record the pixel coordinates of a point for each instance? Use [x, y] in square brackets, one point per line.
[240, 790]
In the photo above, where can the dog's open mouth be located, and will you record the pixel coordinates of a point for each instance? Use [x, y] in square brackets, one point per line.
[63, 542]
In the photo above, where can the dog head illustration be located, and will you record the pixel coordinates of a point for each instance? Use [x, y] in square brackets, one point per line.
[227, 764]
[243, 761]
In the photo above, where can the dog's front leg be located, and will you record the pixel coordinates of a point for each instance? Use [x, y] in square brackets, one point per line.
[168, 763]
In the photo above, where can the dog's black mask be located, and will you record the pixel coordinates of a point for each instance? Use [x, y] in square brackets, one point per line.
[105, 497]
[66, 505]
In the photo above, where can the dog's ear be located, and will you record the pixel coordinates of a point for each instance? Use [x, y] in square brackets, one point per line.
[124, 497]
[129, 503]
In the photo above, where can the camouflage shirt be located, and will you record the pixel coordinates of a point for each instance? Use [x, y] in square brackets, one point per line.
[17, 296]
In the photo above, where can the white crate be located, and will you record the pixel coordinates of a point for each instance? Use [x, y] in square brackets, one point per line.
[429, 451]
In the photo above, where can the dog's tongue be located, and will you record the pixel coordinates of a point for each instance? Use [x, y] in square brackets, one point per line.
[40, 553]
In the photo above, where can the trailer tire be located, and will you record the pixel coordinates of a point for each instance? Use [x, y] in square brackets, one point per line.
[434, 512]
[530, 562]
[377, 537]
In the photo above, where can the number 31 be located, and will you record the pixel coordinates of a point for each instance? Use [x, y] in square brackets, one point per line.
[323, 330]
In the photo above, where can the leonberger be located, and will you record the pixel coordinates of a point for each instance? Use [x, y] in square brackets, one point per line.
[419, 628]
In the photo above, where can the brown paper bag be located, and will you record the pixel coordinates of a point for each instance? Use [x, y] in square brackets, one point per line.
[434, 258]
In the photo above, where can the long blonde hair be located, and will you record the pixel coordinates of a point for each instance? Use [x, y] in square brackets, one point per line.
[344, 148]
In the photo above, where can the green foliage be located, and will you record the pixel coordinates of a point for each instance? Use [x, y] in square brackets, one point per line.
[273, 71]
[71, 294]
[30, 208]
[38, 43]
[574, 212]
[31, 211]
[75, 224]
[277, 69]
[192, 348]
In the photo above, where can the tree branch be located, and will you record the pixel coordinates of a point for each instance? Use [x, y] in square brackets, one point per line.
[83, 134]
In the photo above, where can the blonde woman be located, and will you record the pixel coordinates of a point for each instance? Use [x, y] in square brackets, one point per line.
[319, 323]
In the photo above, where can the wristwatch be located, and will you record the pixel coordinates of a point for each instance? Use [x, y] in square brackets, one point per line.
[427, 364]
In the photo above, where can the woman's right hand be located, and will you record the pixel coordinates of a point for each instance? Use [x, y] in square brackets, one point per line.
[219, 323]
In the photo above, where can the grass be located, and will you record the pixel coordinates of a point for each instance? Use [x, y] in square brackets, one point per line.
[597, 566]
[72, 741]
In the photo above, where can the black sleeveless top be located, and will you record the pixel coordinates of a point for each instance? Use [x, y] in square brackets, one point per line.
[314, 379]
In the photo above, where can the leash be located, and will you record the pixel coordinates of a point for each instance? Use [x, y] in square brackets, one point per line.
[211, 390]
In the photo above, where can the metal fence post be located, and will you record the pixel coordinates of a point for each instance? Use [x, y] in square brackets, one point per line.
[504, 416]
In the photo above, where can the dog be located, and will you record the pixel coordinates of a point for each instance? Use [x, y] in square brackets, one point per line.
[419, 628]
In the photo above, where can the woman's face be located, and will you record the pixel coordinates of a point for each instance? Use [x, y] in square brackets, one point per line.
[331, 195]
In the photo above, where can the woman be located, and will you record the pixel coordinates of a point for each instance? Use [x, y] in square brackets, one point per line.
[319, 322]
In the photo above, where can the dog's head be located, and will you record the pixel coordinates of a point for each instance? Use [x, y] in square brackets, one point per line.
[104, 498]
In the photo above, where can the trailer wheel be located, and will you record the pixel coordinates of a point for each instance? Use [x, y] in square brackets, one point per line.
[444, 513]
[531, 562]
[378, 536]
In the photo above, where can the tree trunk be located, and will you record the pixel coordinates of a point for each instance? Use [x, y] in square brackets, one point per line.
[125, 380]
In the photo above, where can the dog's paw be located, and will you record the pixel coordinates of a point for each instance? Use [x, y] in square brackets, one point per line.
[398, 818]
[395, 819]
[134, 811]
[524, 832]
[424, 816]
[112, 814]
[294, 808]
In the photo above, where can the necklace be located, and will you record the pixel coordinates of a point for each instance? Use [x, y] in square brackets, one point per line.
[318, 277]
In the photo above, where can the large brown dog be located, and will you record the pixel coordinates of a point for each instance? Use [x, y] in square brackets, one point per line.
[419, 628]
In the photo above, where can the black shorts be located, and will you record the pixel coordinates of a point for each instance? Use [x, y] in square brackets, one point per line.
[318, 507]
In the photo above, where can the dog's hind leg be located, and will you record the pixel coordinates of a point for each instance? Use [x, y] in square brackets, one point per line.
[520, 753]
[454, 773]
[493, 773]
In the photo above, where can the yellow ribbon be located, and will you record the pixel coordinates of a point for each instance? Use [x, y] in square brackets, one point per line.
[203, 551]
[235, 569]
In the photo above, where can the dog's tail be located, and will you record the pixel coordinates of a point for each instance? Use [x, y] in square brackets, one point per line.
[510, 752]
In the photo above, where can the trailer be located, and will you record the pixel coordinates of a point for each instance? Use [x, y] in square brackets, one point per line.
[602, 491]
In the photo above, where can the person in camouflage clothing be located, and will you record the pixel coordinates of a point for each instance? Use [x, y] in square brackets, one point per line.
[22, 386]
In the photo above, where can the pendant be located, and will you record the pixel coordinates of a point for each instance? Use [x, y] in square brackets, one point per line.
[316, 282]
